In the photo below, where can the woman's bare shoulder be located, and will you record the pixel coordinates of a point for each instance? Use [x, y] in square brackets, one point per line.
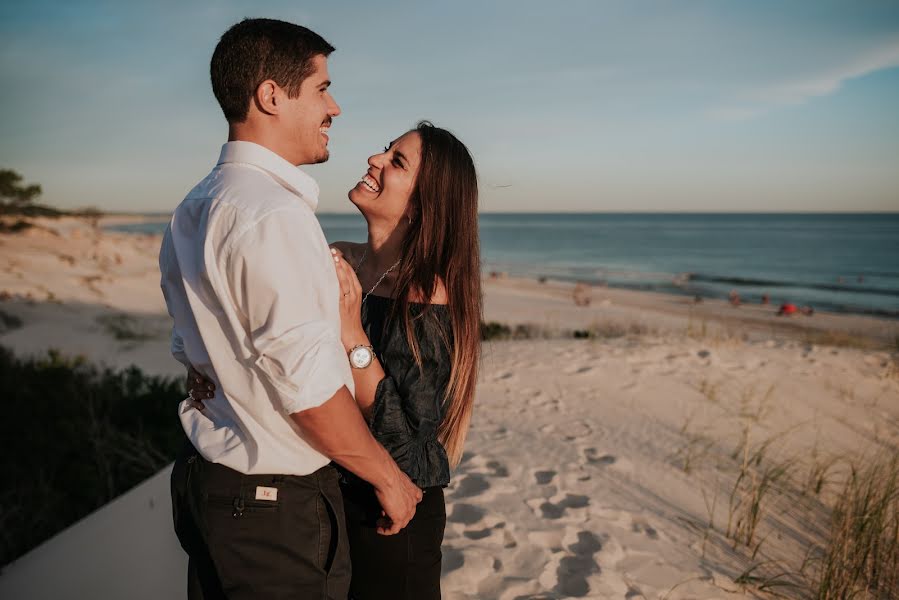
[438, 297]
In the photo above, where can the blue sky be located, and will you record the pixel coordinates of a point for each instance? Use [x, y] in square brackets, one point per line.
[566, 106]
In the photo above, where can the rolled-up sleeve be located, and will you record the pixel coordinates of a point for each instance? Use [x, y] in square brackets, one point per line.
[285, 286]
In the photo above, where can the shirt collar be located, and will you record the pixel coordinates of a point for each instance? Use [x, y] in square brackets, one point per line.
[288, 175]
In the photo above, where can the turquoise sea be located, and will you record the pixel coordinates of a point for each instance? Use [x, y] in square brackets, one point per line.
[837, 262]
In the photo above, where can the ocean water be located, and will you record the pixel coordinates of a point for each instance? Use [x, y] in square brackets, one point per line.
[837, 262]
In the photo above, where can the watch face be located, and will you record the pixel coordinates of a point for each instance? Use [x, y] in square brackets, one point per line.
[360, 358]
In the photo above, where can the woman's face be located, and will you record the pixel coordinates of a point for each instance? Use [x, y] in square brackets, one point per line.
[386, 187]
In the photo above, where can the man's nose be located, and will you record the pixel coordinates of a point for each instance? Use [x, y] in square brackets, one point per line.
[333, 108]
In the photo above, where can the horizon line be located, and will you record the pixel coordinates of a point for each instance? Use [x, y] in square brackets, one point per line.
[584, 212]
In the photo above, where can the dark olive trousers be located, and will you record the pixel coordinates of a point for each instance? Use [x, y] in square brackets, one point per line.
[247, 542]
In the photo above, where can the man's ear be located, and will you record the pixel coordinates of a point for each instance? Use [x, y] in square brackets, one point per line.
[268, 97]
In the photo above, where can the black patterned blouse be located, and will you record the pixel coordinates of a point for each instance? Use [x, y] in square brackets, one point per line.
[408, 404]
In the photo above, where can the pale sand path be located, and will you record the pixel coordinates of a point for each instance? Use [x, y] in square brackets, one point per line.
[574, 482]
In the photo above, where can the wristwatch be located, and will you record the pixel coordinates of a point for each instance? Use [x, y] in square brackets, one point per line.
[361, 356]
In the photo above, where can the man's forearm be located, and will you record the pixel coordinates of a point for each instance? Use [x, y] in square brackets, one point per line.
[337, 430]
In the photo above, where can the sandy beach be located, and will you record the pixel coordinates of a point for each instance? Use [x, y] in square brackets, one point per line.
[610, 466]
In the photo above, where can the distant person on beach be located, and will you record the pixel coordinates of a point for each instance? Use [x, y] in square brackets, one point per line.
[787, 308]
[582, 294]
[410, 321]
[251, 285]
[765, 299]
[734, 298]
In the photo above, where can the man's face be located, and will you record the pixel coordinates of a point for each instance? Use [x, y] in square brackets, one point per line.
[306, 118]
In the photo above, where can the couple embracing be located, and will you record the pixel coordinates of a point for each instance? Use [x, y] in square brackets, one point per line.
[331, 388]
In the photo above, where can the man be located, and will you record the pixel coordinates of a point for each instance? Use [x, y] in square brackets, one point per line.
[250, 283]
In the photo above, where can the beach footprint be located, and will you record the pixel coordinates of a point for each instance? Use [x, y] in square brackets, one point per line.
[574, 569]
[453, 559]
[497, 469]
[504, 376]
[500, 433]
[465, 514]
[642, 526]
[544, 477]
[594, 457]
[470, 486]
[576, 430]
[558, 509]
[544, 401]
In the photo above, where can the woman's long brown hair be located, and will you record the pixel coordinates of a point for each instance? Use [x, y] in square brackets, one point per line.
[442, 244]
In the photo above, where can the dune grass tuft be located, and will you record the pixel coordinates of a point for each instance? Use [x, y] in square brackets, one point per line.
[862, 557]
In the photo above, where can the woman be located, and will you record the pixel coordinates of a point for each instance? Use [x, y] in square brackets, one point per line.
[410, 322]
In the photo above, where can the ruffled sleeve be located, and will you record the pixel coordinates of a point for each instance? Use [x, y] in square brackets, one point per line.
[408, 405]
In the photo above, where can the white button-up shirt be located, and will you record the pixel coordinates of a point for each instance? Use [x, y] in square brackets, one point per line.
[250, 283]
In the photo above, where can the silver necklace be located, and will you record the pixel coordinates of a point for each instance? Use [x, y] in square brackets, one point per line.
[375, 286]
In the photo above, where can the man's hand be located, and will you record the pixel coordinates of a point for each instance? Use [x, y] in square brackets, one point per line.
[337, 430]
[398, 502]
[199, 388]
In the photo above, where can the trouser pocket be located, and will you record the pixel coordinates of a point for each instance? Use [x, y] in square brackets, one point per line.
[284, 548]
[336, 552]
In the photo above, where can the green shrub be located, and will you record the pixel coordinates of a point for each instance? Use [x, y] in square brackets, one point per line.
[495, 331]
[75, 437]
[32, 210]
[8, 321]
[16, 227]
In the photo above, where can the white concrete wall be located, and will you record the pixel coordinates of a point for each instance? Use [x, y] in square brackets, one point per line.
[127, 550]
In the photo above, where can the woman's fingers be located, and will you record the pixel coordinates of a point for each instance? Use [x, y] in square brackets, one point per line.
[353, 287]
[342, 277]
[350, 288]
[356, 284]
[352, 278]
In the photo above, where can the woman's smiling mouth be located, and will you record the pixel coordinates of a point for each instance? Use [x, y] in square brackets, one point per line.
[369, 182]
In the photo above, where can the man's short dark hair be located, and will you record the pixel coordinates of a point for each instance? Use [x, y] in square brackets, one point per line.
[258, 49]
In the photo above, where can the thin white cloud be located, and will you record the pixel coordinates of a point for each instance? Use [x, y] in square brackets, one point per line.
[799, 91]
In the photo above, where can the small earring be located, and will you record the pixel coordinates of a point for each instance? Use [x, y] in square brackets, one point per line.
[410, 219]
